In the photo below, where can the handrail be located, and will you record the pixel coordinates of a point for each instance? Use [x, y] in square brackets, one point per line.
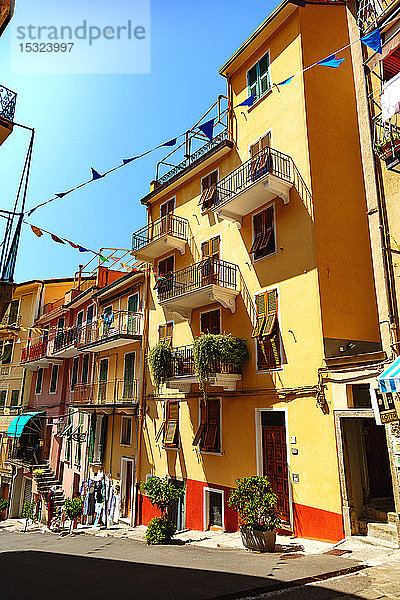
[386, 135]
[268, 160]
[206, 272]
[120, 322]
[110, 391]
[169, 224]
[66, 338]
[34, 352]
[370, 12]
[183, 364]
[8, 100]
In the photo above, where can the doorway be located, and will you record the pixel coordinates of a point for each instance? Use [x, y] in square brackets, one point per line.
[213, 509]
[126, 488]
[274, 458]
[177, 510]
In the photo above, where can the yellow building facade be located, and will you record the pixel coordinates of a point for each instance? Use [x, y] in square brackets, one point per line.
[266, 223]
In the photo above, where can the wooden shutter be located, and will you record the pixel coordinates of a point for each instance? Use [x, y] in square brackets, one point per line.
[255, 149]
[258, 222]
[267, 226]
[210, 322]
[212, 429]
[260, 315]
[166, 266]
[200, 432]
[160, 431]
[171, 425]
[167, 208]
[205, 249]
[165, 333]
[272, 306]
[161, 333]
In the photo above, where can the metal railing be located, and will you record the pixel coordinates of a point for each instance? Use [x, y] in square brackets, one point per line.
[208, 271]
[121, 322]
[8, 100]
[53, 305]
[386, 135]
[268, 160]
[370, 12]
[66, 338]
[34, 352]
[111, 391]
[183, 364]
[11, 321]
[169, 224]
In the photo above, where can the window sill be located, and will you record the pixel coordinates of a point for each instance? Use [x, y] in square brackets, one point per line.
[125, 445]
[171, 448]
[260, 99]
[265, 371]
[208, 452]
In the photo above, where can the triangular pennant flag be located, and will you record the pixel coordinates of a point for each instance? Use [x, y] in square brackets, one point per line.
[73, 245]
[56, 239]
[288, 80]
[37, 231]
[170, 143]
[95, 174]
[248, 102]
[331, 61]
[62, 194]
[82, 249]
[128, 160]
[207, 128]
[103, 258]
[373, 40]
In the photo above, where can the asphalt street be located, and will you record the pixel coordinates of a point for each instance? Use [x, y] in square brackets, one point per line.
[37, 565]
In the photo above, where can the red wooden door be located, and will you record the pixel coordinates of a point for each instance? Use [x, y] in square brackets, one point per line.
[275, 465]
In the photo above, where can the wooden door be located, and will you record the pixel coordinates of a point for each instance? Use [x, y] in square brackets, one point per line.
[166, 210]
[210, 261]
[380, 481]
[275, 462]
[129, 376]
[103, 375]
[133, 304]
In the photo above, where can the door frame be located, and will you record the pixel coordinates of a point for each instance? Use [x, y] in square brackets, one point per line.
[206, 506]
[259, 452]
[123, 471]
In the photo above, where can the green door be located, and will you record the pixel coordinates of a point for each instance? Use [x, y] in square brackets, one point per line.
[133, 304]
[129, 376]
[103, 374]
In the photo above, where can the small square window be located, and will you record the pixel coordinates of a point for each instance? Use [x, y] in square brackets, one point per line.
[258, 77]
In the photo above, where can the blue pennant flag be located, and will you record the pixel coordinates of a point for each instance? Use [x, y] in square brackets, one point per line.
[373, 41]
[331, 61]
[288, 80]
[82, 249]
[207, 128]
[95, 175]
[248, 102]
[62, 194]
[128, 160]
[170, 143]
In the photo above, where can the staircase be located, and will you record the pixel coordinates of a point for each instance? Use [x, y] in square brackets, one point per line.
[379, 525]
[48, 480]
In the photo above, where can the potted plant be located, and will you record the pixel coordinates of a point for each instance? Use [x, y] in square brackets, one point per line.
[384, 147]
[38, 473]
[256, 505]
[160, 359]
[162, 493]
[73, 509]
[3, 507]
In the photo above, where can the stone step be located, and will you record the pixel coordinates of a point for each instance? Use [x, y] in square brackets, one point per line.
[386, 532]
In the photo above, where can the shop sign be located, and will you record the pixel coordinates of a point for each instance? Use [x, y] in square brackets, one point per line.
[386, 408]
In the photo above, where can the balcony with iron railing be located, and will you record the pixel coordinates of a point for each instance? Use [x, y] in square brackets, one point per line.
[65, 342]
[10, 326]
[265, 176]
[8, 100]
[387, 138]
[109, 393]
[170, 232]
[372, 13]
[119, 328]
[38, 355]
[223, 375]
[210, 280]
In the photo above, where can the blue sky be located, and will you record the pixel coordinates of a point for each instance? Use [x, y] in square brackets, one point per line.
[95, 120]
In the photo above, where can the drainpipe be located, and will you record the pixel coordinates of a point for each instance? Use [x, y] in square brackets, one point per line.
[142, 386]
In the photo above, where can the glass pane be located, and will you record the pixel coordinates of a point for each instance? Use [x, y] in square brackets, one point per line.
[263, 65]
[264, 84]
[252, 75]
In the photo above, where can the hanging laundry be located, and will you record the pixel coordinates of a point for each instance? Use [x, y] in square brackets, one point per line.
[390, 99]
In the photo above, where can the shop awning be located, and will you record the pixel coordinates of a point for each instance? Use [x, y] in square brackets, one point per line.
[389, 380]
[17, 425]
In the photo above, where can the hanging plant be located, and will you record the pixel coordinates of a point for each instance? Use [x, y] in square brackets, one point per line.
[160, 359]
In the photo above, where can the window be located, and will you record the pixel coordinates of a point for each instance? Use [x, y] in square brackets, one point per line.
[264, 234]
[165, 333]
[261, 144]
[74, 376]
[79, 319]
[13, 312]
[210, 322]
[53, 380]
[68, 441]
[258, 77]
[209, 432]
[85, 369]
[166, 266]
[391, 65]
[78, 443]
[129, 376]
[14, 398]
[3, 396]
[266, 331]
[90, 314]
[167, 208]
[39, 380]
[210, 248]
[208, 190]
[6, 351]
[60, 324]
[361, 396]
[210, 269]
[103, 376]
[170, 427]
[126, 431]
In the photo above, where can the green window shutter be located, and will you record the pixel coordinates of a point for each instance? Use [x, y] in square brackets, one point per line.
[14, 398]
[3, 395]
[103, 437]
[92, 432]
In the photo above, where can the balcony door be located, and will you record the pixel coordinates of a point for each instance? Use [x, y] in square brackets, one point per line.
[166, 210]
[107, 312]
[210, 261]
[133, 305]
[275, 464]
[129, 376]
[103, 375]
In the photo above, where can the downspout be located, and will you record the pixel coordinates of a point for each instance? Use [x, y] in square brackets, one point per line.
[142, 386]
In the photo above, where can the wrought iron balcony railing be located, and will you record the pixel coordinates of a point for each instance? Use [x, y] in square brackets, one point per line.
[370, 12]
[208, 271]
[183, 364]
[11, 321]
[268, 160]
[8, 100]
[66, 338]
[120, 322]
[113, 391]
[387, 136]
[167, 225]
[34, 352]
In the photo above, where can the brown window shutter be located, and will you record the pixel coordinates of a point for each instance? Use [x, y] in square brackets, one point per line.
[266, 141]
[215, 322]
[169, 264]
[213, 178]
[198, 436]
[205, 249]
[272, 307]
[258, 221]
[260, 315]
[169, 328]
[205, 322]
[254, 149]
[212, 430]
[161, 332]
[215, 242]
[205, 183]
[171, 426]
[159, 432]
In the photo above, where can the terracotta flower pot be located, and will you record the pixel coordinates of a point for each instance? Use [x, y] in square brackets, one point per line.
[263, 541]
